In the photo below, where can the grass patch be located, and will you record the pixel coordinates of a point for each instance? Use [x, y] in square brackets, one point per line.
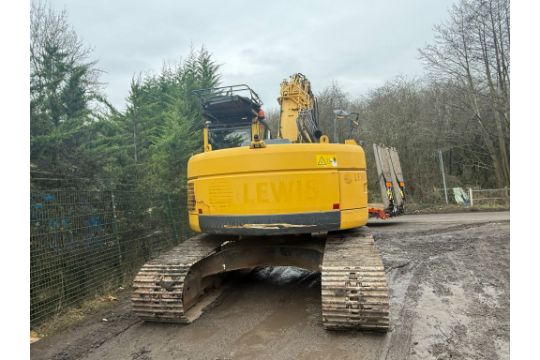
[76, 314]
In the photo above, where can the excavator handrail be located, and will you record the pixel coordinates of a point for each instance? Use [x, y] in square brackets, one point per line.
[230, 90]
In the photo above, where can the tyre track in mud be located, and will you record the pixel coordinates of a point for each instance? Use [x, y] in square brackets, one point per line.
[431, 278]
[87, 336]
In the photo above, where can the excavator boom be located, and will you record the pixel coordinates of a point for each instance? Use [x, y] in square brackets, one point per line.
[298, 119]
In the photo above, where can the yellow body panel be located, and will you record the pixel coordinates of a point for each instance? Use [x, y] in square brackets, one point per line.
[280, 179]
[194, 222]
[354, 185]
[353, 218]
[279, 157]
[267, 193]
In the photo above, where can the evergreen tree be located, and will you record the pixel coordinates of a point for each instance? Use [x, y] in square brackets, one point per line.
[162, 125]
[64, 97]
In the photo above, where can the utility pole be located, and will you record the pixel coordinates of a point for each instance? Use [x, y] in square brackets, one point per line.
[341, 114]
[443, 176]
[335, 130]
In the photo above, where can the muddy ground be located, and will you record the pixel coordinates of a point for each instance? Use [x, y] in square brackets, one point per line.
[450, 299]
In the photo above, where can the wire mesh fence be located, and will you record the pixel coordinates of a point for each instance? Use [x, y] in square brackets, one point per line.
[86, 242]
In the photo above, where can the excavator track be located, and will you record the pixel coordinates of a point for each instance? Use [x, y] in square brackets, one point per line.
[158, 288]
[354, 291]
[178, 285]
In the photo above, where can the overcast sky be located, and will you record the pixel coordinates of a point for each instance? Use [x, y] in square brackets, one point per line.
[360, 44]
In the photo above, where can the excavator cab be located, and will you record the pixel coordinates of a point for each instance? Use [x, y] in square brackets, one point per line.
[234, 116]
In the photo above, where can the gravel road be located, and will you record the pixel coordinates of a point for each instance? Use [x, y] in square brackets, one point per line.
[450, 299]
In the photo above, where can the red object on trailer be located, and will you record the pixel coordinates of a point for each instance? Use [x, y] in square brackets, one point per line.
[378, 213]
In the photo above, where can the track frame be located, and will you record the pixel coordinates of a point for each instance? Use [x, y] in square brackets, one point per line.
[178, 285]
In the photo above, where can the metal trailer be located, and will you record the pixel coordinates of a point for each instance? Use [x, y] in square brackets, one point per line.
[391, 183]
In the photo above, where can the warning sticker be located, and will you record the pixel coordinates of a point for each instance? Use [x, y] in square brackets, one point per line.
[326, 160]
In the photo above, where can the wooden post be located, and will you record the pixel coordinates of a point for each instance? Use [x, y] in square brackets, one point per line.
[115, 230]
[471, 203]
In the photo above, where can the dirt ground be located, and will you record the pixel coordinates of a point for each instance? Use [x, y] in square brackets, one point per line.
[450, 299]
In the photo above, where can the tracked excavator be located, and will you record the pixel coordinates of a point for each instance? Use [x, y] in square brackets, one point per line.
[261, 199]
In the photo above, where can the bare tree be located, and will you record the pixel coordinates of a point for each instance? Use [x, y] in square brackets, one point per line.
[332, 98]
[471, 51]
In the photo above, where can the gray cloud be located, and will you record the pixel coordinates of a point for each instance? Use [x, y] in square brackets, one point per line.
[360, 44]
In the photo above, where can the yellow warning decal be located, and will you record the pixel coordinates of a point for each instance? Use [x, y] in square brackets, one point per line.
[326, 160]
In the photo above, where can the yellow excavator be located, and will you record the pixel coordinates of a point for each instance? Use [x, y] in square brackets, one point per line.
[262, 199]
